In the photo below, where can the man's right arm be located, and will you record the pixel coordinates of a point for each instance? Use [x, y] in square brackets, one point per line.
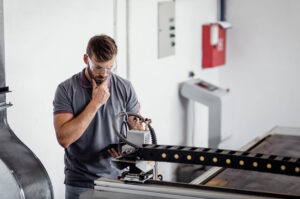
[69, 128]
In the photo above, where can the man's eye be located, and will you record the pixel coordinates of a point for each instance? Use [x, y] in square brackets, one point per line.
[99, 68]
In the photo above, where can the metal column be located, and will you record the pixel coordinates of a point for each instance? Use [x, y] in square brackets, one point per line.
[22, 174]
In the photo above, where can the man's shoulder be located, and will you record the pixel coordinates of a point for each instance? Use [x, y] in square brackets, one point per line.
[72, 81]
[120, 81]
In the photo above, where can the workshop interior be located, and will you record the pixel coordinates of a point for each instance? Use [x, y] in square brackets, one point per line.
[217, 82]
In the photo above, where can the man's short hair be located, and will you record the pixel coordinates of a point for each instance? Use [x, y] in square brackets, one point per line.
[102, 48]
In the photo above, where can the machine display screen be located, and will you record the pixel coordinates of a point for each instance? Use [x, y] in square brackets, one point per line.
[207, 86]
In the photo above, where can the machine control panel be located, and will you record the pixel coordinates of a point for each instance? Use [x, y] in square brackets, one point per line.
[220, 105]
[207, 86]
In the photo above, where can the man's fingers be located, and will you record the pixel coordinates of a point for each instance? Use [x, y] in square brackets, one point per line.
[110, 152]
[114, 152]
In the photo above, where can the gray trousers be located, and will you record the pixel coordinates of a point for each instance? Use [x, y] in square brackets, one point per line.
[74, 192]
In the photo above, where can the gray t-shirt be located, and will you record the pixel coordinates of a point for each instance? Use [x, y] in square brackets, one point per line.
[85, 159]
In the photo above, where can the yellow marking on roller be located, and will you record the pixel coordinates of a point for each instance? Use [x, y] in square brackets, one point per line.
[255, 164]
[269, 166]
[202, 158]
[242, 162]
[189, 157]
[215, 159]
[297, 169]
[176, 156]
[163, 155]
[228, 161]
[282, 167]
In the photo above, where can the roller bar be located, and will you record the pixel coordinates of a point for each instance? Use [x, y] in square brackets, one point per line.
[221, 158]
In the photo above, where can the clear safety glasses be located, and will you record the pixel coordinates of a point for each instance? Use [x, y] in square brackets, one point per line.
[99, 69]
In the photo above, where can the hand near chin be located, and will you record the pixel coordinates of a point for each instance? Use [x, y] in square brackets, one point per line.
[100, 93]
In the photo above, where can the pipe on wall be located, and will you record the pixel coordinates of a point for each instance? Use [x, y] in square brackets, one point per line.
[115, 27]
[222, 10]
[128, 76]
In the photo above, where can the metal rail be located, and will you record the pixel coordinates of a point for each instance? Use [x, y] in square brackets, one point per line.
[172, 190]
[221, 158]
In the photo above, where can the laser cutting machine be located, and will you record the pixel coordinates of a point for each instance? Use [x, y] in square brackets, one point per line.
[265, 157]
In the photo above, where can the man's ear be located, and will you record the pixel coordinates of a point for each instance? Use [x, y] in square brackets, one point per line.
[85, 59]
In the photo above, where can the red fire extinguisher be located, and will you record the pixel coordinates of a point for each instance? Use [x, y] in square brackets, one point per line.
[214, 44]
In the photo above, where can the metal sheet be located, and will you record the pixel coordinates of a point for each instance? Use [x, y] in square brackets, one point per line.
[113, 195]
[8, 182]
[28, 170]
[170, 190]
[283, 145]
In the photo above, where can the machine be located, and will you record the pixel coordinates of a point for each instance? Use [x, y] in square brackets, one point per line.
[220, 106]
[139, 181]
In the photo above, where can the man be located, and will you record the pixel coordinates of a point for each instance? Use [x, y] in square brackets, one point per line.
[84, 108]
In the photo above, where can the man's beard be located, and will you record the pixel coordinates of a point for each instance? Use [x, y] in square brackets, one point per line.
[98, 79]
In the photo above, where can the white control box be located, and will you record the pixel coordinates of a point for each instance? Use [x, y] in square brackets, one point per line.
[139, 137]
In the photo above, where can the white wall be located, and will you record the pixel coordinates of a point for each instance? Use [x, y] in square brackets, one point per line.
[262, 67]
[157, 80]
[45, 42]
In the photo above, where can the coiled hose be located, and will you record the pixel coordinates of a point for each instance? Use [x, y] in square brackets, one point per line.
[127, 114]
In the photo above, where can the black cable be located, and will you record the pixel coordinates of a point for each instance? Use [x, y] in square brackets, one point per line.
[153, 135]
[124, 127]
[152, 132]
[118, 133]
[127, 114]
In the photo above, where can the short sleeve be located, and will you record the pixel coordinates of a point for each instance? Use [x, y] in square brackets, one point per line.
[61, 102]
[132, 103]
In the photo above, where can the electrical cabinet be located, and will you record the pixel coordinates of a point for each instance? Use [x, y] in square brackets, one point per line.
[166, 29]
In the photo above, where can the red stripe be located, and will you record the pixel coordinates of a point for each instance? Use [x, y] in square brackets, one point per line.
[59, 112]
[82, 81]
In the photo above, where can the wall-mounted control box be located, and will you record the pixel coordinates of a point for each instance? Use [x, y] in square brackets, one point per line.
[166, 28]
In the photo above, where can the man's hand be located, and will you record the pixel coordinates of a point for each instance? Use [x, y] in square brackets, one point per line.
[113, 152]
[100, 93]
